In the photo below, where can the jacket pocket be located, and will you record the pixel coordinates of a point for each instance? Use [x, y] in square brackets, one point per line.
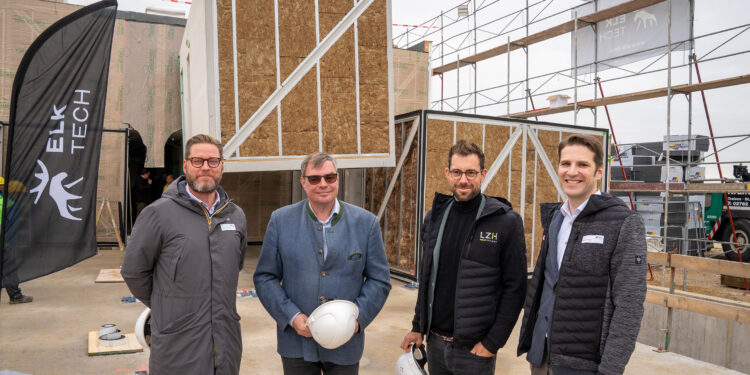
[173, 250]
[174, 263]
[178, 324]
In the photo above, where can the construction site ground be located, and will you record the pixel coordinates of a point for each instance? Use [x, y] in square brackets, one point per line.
[49, 335]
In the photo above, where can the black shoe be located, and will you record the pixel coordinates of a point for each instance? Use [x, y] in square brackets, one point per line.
[21, 299]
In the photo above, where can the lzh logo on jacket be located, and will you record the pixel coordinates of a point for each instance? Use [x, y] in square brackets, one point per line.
[488, 237]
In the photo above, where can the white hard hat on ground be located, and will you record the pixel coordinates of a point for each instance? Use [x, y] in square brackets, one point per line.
[143, 329]
[332, 323]
[412, 363]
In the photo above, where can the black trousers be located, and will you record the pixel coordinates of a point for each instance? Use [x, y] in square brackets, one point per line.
[298, 366]
[13, 291]
[448, 358]
[10, 281]
[546, 369]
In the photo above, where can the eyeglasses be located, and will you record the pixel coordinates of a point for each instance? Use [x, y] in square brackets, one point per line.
[330, 178]
[470, 174]
[198, 162]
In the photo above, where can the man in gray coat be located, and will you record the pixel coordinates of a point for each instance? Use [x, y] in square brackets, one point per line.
[585, 301]
[183, 260]
[316, 250]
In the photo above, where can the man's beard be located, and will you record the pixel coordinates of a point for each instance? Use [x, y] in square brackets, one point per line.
[472, 194]
[204, 188]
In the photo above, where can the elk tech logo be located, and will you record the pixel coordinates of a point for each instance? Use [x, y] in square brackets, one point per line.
[488, 237]
[57, 147]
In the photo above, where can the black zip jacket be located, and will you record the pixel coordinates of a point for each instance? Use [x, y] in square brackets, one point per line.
[491, 281]
[600, 291]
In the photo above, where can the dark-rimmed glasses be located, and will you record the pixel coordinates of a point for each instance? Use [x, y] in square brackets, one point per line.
[315, 179]
[198, 162]
[470, 174]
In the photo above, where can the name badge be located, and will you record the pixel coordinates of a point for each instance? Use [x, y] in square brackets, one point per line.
[593, 238]
[227, 227]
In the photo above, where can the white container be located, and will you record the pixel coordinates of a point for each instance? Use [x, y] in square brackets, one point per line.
[558, 100]
[626, 157]
[678, 143]
[651, 219]
[675, 174]
[696, 174]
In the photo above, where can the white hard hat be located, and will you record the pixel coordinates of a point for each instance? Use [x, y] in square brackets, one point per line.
[332, 323]
[412, 363]
[143, 329]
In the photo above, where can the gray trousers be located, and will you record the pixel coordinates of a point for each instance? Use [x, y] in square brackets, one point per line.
[298, 366]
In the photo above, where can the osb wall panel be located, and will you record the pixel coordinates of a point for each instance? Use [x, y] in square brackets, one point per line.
[338, 87]
[495, 138]
[531, 188]
[399, 224]
[258, 194]
[516, 156]
[439, 142]
[299, 110]
[256, 69]
[392, 223]
[470, 132]
[407, 245]
[372, 43]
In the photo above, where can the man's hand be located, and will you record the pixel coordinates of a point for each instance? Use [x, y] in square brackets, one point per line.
[300, 325]
[411, 338]
[479, 350]
[356, 327]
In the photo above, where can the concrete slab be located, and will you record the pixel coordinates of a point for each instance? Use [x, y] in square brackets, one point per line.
[49, 335]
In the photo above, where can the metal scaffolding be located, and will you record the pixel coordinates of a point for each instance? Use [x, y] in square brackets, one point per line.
[467, 44]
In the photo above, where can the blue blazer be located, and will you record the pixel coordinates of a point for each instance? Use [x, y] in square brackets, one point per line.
[292, 277]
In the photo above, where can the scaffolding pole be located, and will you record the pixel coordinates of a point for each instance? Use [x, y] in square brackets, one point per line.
[668, 329]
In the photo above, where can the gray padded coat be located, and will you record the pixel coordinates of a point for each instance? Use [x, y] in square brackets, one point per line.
[600, 292]
[184, 263]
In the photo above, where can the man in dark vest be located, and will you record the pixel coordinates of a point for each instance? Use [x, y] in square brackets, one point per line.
[473, 272]
[585, 301]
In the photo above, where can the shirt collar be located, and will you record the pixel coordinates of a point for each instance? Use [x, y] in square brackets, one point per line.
[566, 210]
[212, 208]
[334, 213]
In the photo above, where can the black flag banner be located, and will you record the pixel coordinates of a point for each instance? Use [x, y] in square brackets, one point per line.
[54, 140]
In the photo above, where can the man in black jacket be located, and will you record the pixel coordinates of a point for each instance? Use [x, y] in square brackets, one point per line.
[473, 272]
[585, 302]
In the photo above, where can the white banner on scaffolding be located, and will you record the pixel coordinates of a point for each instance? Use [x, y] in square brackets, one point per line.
[630, 37]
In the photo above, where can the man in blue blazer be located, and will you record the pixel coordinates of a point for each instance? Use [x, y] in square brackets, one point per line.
[314, 251]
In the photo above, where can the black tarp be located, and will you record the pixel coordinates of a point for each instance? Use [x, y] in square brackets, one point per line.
[54, 141]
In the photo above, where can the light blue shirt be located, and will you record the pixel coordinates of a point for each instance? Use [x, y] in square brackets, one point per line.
[209, 209]
[326, 224]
